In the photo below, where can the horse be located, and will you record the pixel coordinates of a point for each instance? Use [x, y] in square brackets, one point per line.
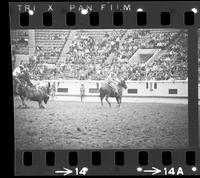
[38, 95]
[21, 89]
[107, 91]
[26, 91]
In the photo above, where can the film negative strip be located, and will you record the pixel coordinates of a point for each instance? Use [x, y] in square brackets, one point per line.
[106, 88]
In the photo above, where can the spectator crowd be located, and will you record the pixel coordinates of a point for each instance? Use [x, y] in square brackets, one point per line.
[93, 57]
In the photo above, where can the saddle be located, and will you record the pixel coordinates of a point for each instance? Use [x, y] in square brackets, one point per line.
[113, 88]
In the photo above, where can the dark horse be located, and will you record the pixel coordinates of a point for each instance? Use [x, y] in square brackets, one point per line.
[107, 91]
[26, 91]
[21, 90]
[21, 81]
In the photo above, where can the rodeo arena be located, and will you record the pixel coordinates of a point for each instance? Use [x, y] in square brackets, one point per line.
[100, 89]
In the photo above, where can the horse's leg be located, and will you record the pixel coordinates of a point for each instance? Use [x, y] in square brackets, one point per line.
[40, 105]
[15, 100]
[118, 101]
[23, 101]
[102, 101]
[108, 101]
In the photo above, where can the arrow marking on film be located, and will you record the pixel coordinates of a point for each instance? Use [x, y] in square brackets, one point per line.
[153, 171]
[65, 172]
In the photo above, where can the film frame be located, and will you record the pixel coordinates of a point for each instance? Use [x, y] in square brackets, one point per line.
[109, 165]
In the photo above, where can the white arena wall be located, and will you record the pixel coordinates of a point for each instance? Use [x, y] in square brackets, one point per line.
[137, 91]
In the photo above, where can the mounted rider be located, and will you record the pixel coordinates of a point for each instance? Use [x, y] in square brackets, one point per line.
[113, 81]
[16, 75]
[20, 74]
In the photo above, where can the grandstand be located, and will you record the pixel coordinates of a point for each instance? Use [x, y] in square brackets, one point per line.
[51, 42]
[142, 56]
[93, 54]
[19, 39]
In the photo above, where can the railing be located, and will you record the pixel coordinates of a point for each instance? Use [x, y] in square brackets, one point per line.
[137, 91]
[134, 88]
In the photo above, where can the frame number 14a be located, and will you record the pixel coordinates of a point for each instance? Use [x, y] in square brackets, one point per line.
[173, 171]
[165, 171]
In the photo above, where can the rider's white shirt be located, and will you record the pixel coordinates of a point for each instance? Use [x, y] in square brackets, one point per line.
[16, 72]
[112, 80]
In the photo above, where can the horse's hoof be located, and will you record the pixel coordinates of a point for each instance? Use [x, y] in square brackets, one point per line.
[42, 107]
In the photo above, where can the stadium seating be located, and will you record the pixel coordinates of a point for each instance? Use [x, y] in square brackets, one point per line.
[93, 54]
[51, 43]
[19, 39]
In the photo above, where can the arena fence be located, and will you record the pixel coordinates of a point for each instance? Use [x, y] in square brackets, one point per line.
[170, 91]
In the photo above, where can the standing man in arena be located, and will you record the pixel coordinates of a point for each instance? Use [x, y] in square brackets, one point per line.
[112, 81]
[82, 92]
[53, 90]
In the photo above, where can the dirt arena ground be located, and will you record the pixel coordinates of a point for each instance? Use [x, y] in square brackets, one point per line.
[76, 125]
